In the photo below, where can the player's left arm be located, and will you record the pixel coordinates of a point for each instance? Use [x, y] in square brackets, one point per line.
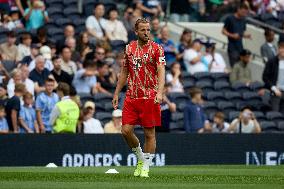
[161, 62]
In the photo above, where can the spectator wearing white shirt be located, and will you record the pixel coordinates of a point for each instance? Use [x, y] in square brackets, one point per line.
[90, 124]
[24, 48]
[193, 58]
[96, 24]
[175, 78]
[67, 64]
[215, 60]
[20, 75]
[245, 123]
[115, 29]
[219, 125]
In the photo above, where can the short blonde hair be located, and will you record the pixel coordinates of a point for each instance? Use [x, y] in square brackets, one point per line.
[141, 20]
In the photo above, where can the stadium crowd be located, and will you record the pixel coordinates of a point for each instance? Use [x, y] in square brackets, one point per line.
[48, 58]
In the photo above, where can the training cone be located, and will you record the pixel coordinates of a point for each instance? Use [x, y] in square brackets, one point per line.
[51, 165]
[111, 171]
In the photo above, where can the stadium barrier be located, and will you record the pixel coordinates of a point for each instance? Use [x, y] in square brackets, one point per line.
[111, 150]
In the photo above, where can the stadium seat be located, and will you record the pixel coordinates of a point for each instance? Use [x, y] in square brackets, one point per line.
[215, 96]
[88, 7]
[188, 77]
[203, 76]
[108, 106]
[8, 65]
[62, 22]
[20, 31]
[187, 84]
[109, 5]
[210, 107]
[180, 107]
[72, 13]
[234, 97]
[177, 126]
[54, 31]
[274, 116]
[79, 22]
[255, 86]
[251, 96]
[178, 97]
[85, 97]
[177, 116]
[68, 3]
[100, 107]
[205, 85]
[102, 97]
[218, 76]
[3, 34]
[104, 117]
[281, 126]
[80, 29]
[233, 115]
[268, 125]
[223, 86]
[240, 87]
[260, 116]
[226, 106]
[55, 3]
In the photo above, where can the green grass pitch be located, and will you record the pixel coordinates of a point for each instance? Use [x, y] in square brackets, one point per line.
[172, 177]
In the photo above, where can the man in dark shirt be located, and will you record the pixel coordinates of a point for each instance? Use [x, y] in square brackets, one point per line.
[195, 120]
[106, 82]
[13, 107]
[235, 29]
[39, 74]
[58, 74]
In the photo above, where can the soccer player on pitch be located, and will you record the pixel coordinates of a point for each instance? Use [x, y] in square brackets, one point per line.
[144, 69]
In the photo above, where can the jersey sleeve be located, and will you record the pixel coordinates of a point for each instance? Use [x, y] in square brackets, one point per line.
[160, 56]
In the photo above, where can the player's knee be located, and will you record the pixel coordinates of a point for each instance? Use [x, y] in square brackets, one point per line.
[126, 132]
[150, 137]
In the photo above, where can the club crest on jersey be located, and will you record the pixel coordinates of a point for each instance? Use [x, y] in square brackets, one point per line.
[137, 63]
[145, 56]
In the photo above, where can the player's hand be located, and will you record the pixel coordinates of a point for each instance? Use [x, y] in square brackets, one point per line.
[115, 101]
[158, 98]
[278, 93]
[235, 36]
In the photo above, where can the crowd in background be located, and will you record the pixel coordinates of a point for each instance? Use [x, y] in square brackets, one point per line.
[33, 65]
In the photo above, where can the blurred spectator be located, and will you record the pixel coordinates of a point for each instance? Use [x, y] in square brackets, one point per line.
[45, 51]
[65, 113]
[3, 95]
[58, 74]
[83, 45]
[167, 108]
[4, 5]
[13, 107]
[268, 50]
[150, 8]
[14, 20]
[97, 54]
[128, 21]
[155, 29]
[241, 71]
[174, 78]
[106, 83]
[85, 80]
[4, 75]
[8, 50]
[22, 5]
[219, 125]
[34, 52]
[41, 38]
[20, 76]
[185, 42]
[69, 31]
[67, 64]
[197, 10]
[27, 116]
[179, 11]
[215, 60]
[273, 77]
[168, 45]
[114, 126]
[24, 48]
[75, 55]
[39, 74]
[90, 124]
[44, 104]
[115, 29]
[195, 120]
[96, 24]
[3, 122]
[36, 15]
[235, 29]
[245, 123]
[116, 66]
[193, 58]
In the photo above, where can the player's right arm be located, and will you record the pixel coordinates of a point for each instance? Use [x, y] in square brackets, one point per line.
[120, 84]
